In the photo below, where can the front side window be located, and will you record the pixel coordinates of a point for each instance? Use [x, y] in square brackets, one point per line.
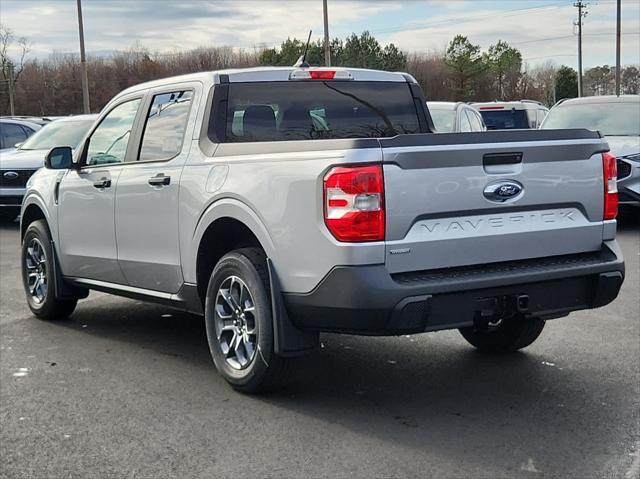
[308, 110]
[108, 143]
[165, 127]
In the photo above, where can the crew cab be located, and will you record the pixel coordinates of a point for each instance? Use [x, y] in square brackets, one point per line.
[283, 202]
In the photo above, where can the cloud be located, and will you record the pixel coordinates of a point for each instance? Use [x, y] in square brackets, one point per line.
[166, 25]
[541, 33]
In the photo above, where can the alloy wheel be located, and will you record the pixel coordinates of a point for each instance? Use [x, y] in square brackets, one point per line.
[36, 265]
[235, 322]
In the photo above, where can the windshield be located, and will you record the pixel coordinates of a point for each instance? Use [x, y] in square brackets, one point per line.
[610, 118]
[505, 119]
[443, 120]
[281, 111]
[58, 133]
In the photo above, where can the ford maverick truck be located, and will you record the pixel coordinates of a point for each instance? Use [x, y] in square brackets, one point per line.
[284, 202]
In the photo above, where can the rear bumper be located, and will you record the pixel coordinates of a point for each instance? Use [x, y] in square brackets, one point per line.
[368, 300]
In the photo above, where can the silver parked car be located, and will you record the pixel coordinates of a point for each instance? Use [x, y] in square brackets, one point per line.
[18, 164]
[618, 118]
[283, 202]
[455, 117]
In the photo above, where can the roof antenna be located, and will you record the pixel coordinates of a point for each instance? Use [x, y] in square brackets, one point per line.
[302, 61]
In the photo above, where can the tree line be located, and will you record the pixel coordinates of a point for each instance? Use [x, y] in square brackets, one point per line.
[462, 72]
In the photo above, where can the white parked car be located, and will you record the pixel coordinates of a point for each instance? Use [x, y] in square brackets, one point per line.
[455, 117]
[509, 115]
[618, 119]
[18, 164]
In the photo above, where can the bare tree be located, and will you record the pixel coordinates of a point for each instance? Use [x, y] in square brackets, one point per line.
[11, 70]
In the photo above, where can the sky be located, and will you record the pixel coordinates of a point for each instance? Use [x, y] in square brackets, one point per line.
[543, 30]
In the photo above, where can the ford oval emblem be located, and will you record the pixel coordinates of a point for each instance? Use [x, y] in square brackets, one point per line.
[10, 175]
[501, 191]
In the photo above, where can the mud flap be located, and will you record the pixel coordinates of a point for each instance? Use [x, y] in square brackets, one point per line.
[64, 290]
[288, 340]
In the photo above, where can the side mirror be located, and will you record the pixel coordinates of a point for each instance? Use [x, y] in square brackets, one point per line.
[18, 145]
[59, 158]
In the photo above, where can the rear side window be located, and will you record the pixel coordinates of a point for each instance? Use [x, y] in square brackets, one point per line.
[474, 120]
[11, 134]
[443, 120]
[465, 124]
[281, 111]
[165, 126]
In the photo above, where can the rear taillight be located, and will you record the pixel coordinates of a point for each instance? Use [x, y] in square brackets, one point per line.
[610, 173]
[354, 203]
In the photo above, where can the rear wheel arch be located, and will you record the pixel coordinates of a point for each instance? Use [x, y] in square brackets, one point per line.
[221, 236]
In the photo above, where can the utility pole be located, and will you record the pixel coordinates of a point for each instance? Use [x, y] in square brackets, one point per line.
[580, 5]
[83, 64]
[618, 48]
[12, 108]
[327, 48]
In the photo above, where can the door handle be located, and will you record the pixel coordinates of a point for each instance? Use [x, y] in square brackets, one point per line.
[160, 180]
[102, 183]
[493, 159]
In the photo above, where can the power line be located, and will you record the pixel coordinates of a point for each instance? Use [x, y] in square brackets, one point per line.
[546, 39]
[469, 18]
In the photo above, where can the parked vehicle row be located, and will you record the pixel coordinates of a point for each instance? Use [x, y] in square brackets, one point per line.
[283, 202]
[17, 165]
[618, 118]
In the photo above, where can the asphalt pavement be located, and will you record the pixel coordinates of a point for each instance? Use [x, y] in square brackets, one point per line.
[127, 389]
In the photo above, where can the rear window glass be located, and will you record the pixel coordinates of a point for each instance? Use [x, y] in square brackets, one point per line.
[505, 119]
[305, 110]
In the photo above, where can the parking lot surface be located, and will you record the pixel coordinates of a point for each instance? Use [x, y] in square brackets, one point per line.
[128, 389]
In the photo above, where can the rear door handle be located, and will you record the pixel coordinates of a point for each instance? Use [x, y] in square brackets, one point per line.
[102, 183]
[160, 180]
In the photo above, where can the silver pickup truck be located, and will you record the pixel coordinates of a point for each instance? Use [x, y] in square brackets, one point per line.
[283, 202]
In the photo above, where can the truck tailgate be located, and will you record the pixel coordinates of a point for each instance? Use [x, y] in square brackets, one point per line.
[473, 198]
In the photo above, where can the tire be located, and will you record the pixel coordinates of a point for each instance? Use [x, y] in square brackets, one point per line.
[507, 337]
[37, 258]
[239, 323]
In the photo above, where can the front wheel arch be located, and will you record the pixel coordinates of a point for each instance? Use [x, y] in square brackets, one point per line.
[32, 213]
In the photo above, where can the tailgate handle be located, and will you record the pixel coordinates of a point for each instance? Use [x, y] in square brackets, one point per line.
[492, 159]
